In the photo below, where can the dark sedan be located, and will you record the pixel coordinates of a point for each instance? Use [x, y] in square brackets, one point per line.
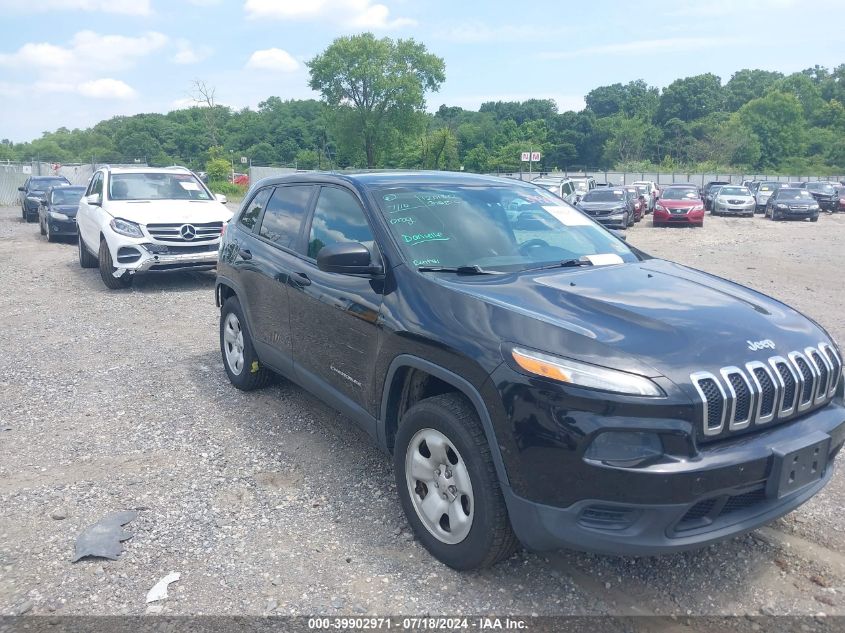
[33, 192]
[791, 203]
[709, 191]
[610, 207]
[57, 212]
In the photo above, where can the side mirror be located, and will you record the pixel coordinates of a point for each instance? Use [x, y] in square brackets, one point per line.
[21, 188]
[221, 198]
[94, 199]
[620, 234]
[347, 258]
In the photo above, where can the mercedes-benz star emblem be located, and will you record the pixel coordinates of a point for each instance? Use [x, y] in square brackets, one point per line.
[188, 232]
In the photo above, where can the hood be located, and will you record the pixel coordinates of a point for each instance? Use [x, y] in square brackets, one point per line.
[728, 196]
[679, 204]
[67, 209]
[601, 206]
[169, 211]
[653, 317]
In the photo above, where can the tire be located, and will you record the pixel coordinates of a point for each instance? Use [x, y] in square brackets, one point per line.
[107, 269]
[86, 259]
[50, 236]
[815, 218]
[41, 227]
[452, 422]
[250, 374]
[656, 224]
[629, 221]
[31, 218]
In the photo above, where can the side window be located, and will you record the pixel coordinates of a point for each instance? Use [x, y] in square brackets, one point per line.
[338, 217]
[97, 184]
[284, 214]
[256, 206]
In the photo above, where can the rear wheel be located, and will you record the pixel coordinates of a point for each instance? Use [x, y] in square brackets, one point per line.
[448, 486]
[241, 362]
[107, 270]
[86, 259]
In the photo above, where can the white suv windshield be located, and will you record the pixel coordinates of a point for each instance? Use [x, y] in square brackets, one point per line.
[156, 186]
[496, 228]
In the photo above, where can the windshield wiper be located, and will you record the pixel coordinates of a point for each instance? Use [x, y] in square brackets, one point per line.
[566, 263]
[461, 270]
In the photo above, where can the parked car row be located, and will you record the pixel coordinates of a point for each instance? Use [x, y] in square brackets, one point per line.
[534, 378]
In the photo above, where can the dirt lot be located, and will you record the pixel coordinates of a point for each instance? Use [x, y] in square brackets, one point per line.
[271, 502]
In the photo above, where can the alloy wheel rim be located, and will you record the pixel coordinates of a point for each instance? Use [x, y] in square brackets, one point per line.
[439, 486]
[233, 343]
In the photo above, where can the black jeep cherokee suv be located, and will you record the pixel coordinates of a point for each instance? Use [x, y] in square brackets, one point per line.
[534, 377]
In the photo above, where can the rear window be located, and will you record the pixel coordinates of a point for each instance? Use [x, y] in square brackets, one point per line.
[604, 195]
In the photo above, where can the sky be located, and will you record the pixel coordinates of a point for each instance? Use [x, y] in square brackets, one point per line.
[72, 63]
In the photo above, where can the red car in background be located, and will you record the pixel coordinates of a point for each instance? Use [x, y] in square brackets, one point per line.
[678, 205]
[241, 179]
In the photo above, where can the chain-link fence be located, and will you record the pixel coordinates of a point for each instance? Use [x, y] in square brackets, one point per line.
[14, 175]
[663, 178]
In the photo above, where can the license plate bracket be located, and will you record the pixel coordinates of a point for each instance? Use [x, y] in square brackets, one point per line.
[798, 464]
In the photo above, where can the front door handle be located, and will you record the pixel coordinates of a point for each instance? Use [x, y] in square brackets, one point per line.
[300, 279]
[244, 253]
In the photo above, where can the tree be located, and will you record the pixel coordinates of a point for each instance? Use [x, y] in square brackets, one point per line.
[378, 82]
[747, 84]
[778, 121]
[690, 98]
[635, 98]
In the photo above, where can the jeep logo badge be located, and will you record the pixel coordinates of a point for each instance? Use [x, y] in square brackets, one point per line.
[188, 232]
[764, 344]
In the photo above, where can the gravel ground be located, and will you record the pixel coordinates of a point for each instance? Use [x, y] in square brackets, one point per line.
[270, 502]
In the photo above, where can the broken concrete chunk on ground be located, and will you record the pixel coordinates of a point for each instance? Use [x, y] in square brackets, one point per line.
[159, 590]
[104, 538]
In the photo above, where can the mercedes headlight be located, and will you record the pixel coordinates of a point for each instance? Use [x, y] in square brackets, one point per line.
[124, 227]
[580, 374]
[58, 216]
[780, 205]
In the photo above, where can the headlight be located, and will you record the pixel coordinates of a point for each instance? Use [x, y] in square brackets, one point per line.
[124, 227]
[782, 206]
[813, 207]
[698, 207]
[58, 216]
[659, 207]
[35, 198]
[583, 374]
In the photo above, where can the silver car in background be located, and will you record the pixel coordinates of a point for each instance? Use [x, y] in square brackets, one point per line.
[733, 200]
[764, 191]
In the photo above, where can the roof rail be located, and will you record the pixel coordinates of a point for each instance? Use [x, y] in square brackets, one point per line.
[182, 167]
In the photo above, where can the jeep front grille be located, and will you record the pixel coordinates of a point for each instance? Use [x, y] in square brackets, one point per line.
[736, 398]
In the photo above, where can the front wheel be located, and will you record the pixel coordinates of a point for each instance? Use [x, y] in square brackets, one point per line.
[41, 227]
[240, 360]
[107, 270]
[815, 218]
[448, 486]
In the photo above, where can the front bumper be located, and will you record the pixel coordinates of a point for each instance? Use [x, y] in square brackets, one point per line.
[139, 257]
[62, 227]
[700, 494]
[734, 209]
[683, 217]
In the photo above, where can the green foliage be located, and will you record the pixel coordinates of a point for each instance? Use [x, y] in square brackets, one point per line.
[219, 169]
[226, 188]
[374, 84]
[372, 114]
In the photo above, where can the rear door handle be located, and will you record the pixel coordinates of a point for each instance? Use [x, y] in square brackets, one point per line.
[244, 253]
[300, 279]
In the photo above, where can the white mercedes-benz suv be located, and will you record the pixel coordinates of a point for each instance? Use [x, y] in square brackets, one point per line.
[135, 220]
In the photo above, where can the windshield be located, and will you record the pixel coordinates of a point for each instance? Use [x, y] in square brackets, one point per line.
[156, 186]
[767, 187]
[499, 228]
[794, 194]
[604, 195]
[40, 184]
[67, 195]
[642, 190]
[580, 185]
[679, 194]
[734, 191]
